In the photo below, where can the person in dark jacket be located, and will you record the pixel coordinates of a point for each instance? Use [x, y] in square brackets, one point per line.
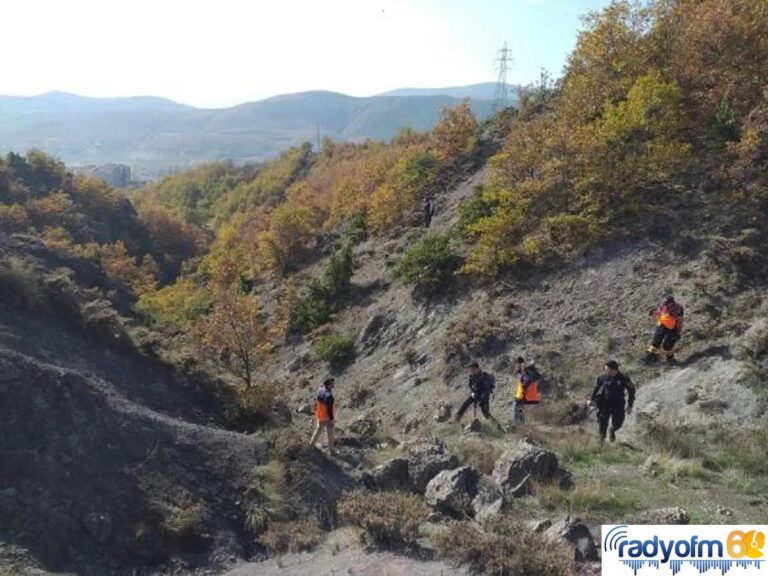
[481, 386]
[614, 397]
[428, 210]
[325, 412]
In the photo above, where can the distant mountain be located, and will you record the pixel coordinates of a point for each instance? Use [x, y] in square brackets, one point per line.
[483, 91]
[153, 135]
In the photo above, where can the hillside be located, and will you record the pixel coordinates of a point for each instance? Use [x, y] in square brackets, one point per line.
[153, 135]
[169, 347]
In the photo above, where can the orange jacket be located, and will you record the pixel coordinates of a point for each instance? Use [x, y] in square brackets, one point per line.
[325, 407]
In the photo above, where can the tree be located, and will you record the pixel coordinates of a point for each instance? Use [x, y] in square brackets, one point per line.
[175, 238]
[455, 133]
[235, 334]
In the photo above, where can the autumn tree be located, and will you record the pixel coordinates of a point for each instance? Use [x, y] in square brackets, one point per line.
[235, 334]
[455, 133]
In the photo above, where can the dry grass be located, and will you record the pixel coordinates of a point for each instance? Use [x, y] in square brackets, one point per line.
[277, 500]
[588, 498]
[503, 547]
[292, 537]
[673, 469]
[389, 519]
[183, 518]
[476, 452]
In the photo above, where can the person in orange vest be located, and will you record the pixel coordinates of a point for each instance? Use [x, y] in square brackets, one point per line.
[325, 412]
[669, 327]
[526, 391]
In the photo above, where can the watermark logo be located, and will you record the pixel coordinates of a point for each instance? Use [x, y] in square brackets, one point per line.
[683, 550]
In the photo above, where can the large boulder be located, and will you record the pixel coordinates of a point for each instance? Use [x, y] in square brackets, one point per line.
[674, 515]
[364, 426]
[489, 501]
[452, 491]
[392, 475]
[576, 534]
[427, 460]
[518, 468]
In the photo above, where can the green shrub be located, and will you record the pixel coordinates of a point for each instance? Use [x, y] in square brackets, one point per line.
[337, 277]
[312, 308]
[430, 264]
[503, 547]
[326, 295]
[292, 537]
[389, 519]
[473, 209]
[337, 350]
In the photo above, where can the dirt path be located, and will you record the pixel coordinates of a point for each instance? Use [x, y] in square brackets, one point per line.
[351, 561]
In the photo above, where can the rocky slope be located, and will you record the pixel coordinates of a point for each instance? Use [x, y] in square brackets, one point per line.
[115, 461]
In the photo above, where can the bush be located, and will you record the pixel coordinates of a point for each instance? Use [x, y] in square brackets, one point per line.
[183, 518]
[389, 519]
[312, 308]
[430, 264]
[322, 297]
[480, 454]
[753, 347]
[336, 350]
[254, 405]
[473, 209]
[292, 537]
[20, 283]
[503, 547]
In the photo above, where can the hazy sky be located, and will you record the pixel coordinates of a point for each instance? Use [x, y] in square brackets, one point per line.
[223, 52]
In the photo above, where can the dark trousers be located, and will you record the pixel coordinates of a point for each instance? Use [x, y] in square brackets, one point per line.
[484, 403]
[665, 338]
[611, 413]
[427, 219]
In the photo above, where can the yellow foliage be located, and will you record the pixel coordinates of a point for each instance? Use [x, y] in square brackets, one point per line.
[455, 133]
[57, 237]
[180, 303]
[13, 217]
[235, 334]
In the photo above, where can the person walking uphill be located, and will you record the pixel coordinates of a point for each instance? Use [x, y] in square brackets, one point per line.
[481, 385]
[325, 412]
[669, 327]
[614, 396]
[526, 390]
[428, 210]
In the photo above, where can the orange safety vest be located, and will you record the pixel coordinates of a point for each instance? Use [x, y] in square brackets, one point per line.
[666, 319]
[321, 408]
[528, 395]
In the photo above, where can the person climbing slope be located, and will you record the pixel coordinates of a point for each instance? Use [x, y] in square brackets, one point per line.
[669, 327]
[614, 397]
[428, 210]
[325, 412]
[526, 391]
[481, 386]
